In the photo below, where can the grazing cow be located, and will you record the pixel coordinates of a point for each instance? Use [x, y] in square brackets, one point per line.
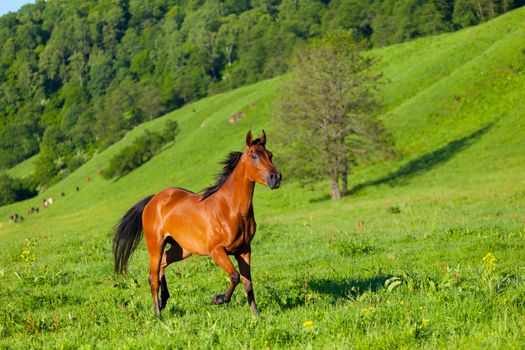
[47, 202]
[16, 218]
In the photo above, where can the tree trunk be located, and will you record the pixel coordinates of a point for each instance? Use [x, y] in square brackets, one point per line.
[480, 12]
[229, 52]
[491, 8]
[334, 187]
[344, 177]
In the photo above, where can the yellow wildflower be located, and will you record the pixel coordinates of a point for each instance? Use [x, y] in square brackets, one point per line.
[490, 259]
[308, 325]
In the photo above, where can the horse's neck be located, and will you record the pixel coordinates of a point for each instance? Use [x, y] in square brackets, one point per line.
[238, 189]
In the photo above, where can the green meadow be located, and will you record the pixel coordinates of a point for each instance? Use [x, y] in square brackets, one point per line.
[428, 251]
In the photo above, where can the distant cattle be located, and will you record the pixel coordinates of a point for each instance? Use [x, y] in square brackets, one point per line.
[16, 218]
[47, 202]
[32, 210]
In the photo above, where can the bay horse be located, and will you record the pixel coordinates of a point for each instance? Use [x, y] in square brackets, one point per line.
[217, 222]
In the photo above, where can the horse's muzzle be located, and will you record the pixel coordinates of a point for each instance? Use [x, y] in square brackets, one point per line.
[274, 180]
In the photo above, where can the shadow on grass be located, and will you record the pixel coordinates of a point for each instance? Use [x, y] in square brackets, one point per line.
[419, 165]
[320, 199]
[427, 161]
[345, 288]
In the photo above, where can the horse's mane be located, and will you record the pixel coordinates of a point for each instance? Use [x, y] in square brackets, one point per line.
[229, 165]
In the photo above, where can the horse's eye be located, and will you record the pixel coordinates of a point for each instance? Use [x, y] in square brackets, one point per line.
[254, 156]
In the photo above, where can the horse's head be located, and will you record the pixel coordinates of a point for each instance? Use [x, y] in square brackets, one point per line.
[259, 162]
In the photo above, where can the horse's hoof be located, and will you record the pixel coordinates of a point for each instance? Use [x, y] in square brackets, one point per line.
[255, 312]
[219, 299]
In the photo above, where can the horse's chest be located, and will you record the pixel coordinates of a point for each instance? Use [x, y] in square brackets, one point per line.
[241, 234]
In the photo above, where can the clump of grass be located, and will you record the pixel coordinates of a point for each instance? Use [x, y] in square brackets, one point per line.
[395, 209]
[349, 248]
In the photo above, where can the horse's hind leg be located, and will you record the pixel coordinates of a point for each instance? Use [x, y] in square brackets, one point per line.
[155, 245]
[164, 293]
[154, 267]
[174, 253]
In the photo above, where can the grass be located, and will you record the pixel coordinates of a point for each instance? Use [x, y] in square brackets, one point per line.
[399, 263]
[23, 169]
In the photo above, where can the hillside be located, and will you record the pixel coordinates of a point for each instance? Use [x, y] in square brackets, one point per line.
[81, 73]
[441, 90]
[455, 107]
[23, 169]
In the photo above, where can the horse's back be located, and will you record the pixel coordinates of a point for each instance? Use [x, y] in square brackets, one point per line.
[171, 198]
[175, 193]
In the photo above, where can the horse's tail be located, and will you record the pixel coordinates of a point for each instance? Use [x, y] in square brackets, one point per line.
[128, 235]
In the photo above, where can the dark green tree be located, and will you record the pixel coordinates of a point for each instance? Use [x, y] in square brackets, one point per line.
[7, 190]
[18, 140]
[55, 151]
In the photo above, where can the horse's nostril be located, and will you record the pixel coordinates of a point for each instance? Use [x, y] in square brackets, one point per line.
[272, 176]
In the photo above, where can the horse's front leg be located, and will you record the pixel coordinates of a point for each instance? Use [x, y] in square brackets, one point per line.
[221, 258]
[244, 266]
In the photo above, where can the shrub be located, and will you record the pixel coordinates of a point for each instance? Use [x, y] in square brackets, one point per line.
[13, 190]
[140, 151]
[7, 192]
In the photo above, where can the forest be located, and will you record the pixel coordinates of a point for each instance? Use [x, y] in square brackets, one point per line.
[76, 75]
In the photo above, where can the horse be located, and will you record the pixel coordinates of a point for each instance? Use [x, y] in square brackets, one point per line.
[217, 222]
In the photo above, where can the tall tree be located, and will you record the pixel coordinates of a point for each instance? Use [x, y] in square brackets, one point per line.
[328, 110]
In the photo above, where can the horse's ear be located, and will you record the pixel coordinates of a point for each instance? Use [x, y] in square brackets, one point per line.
[263, 138]
[249, 138]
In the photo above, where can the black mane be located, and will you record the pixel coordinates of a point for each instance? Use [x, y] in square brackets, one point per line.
[228, 166]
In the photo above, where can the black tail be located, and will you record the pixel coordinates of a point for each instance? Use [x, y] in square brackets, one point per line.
[128, 235]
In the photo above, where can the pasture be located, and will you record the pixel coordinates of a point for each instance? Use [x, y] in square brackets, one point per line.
[427, 251]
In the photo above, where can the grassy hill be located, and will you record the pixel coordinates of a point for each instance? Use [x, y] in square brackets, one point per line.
[23, 169]
[455, 107]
